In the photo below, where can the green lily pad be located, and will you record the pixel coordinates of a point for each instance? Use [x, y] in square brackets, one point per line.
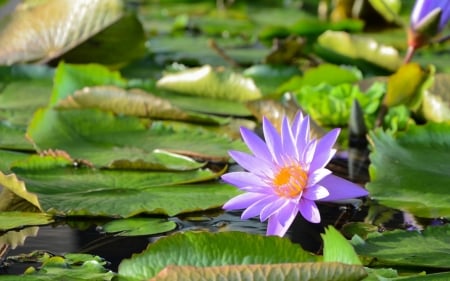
[211, 249]
[322, 271]
[205, 81]
[366, 53]
[103, 138]
[410, 171]
[114, 193]
[139, 226]
[436, 100]
[430, 248]
[336, 248]
[132, 102]
[68, 267]
[11, 220]
[47, 29]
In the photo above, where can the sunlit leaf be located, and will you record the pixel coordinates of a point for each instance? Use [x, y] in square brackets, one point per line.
[211, 249]
[18, 187]
[337, 249]
[11, 220]
[70, 78]
[16, 238]
[404, 86]
[389, 9]
[205, 81]
[342, 47]
[430, 248]
[265, 272]
[133, 102]
[44, 31]
[138, 226]
[436, 100]
[410, 172]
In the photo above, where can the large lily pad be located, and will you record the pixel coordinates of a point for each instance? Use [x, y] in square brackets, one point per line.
[268, 272]
[114, 193]
[211, 249]
[103, 138]
[410, 172]
[431, 248]
[43, 31]
[138, 226]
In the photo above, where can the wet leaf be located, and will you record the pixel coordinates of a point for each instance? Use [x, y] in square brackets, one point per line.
[132, 102]
[11, 220]
[366, 53]
[336, 248]
[430, 248]
[410, 171]
[50, 28]
[205, 81]
[267, 272]
[211, 249]
[138, 226]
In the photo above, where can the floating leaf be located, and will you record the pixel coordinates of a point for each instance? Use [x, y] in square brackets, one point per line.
[132, 102]
[410, 172]
[68, 267]
[82, 191]
[46, 30]
[342, 47]
[139, 226]
[267, 272]
[103, 138]
[205, 81]
[430, 248]
[211, 249]
[337, 249]
[11, 220]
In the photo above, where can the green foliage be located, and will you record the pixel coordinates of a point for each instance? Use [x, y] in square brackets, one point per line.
[138, 226]
[331, 105]
[410, 171]
[11, 220]
[430, 248]
[211, 249]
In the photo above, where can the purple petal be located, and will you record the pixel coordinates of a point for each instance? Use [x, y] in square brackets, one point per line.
[242, 201]
[272, 208]
[302, 135]
[251, 163]
[273, 140]
[288, 139]
[341, 189]
[274, 227]
[309, 210]
[255, 208]
[317, 175]
[324, 150]
[244, 179]
[315, 192]
[288, 211]
[445, 17]
[308, 152]
[255, 144]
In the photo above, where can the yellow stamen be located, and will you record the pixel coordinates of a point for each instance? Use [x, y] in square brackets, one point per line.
[290, 181]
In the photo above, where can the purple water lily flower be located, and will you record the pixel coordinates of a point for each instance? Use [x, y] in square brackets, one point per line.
[428, 18]
[286, 175]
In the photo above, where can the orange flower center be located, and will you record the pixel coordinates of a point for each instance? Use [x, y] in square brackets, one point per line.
[290, 181]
